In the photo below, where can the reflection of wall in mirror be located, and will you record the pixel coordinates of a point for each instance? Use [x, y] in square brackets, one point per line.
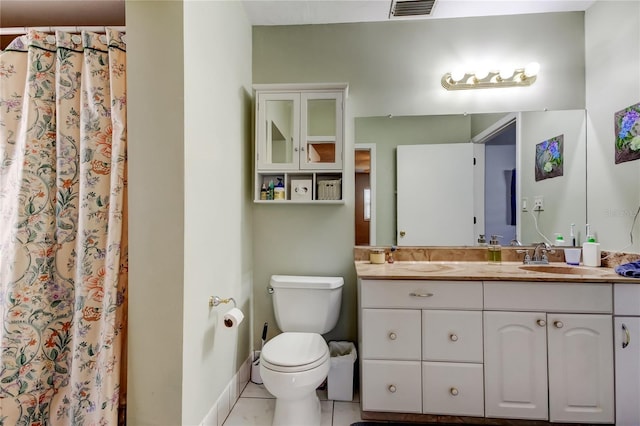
[564, 196]
[279, 130]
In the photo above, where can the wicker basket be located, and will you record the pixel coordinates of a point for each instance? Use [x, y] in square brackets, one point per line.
[330, 189]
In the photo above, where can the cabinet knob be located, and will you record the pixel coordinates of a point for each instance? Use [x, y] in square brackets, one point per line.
[558, 324]
[392, 388]
[295, 149]
[393, 336]
[402, 233]
[302, 148]
[453, 391]
[453, 337]
[541, 322]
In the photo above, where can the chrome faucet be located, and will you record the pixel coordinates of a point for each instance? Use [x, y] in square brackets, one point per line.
[539, 257]
[540, 251]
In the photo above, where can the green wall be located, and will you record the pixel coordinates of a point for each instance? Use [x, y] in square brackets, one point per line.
[394, 68]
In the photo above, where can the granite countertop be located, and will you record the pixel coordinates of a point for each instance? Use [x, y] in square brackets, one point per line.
[482, 271]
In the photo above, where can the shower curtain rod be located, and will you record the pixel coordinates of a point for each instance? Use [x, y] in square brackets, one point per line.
[24, 30]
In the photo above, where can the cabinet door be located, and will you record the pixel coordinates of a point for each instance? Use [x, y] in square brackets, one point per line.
[515, 361]
[391, 334]
[321, 131]
[627, 357]
[278, 131]
[392, 386]
[580, 368]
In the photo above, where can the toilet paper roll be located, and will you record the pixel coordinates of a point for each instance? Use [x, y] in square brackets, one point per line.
[233, 318]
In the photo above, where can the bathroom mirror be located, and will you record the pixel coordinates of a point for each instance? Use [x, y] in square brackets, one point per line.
[514, 148]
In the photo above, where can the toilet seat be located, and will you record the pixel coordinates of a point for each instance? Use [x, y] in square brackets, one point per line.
[292, 352]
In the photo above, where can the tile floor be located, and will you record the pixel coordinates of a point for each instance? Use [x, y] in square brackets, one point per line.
[255, 408]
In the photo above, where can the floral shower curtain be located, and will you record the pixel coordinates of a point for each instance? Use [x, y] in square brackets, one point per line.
[63, 229]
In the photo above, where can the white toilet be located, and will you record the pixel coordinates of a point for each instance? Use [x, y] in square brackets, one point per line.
[294, 363]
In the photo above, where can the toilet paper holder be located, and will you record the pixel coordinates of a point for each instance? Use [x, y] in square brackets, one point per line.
[215, 301]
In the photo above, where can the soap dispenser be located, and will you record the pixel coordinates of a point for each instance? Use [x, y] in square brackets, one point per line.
[494, 251]
[591, 250]
[559, 240]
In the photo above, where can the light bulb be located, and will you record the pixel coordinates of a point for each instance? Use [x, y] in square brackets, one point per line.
[506, 73]
[457, 75]
[481, 73]
[532, 69]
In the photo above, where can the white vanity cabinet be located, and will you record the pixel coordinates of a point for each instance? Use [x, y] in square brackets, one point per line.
[299, 140]
[421, 346]
[558, 354]
[498, 349]
[627, 353]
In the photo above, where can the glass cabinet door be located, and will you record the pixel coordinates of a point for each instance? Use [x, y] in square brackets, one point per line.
[321, 126]
[278, 131]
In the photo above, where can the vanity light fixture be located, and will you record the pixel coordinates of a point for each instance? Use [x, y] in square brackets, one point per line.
[484, 79]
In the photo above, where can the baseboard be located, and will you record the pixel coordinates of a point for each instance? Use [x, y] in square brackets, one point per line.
[227, 399]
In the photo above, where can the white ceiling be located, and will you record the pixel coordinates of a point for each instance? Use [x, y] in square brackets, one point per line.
[298, 12]
[19, 13]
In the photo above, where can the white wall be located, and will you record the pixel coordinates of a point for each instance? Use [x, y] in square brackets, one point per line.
[156, 211]
[395, 68]
[218, 207]
[189, 80]
[612, 37]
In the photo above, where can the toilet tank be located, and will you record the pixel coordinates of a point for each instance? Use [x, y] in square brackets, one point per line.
[306, 304]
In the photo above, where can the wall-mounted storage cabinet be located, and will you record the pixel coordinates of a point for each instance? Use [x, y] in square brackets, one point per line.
[299, 142]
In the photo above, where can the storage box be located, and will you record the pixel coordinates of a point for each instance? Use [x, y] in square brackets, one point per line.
[330, 189]
[301, 189]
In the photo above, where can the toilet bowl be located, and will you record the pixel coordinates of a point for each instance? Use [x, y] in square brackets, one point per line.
[294, 363]
[292, 366]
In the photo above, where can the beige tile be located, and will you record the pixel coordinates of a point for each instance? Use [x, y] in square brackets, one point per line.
[252, 412]
[253, 390]
[326, 413]
[345, 413]
[259, 412]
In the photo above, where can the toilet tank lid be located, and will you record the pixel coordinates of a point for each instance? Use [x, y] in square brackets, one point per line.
[293, 281]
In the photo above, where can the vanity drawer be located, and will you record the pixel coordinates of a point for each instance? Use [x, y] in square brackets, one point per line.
[452, 389]
[452, 336]
[548, 297]
[421, 294]
[391, 334]
[391, 386]
[626, 299]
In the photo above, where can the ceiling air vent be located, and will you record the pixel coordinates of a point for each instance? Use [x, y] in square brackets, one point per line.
[411, 8]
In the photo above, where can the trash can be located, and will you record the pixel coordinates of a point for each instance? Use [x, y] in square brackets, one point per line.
[340, 379]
